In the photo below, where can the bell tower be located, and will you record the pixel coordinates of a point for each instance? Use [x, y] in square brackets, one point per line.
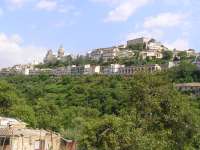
[61, 52]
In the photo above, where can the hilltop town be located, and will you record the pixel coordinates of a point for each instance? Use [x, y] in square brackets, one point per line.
[141, 54]
[139, 91]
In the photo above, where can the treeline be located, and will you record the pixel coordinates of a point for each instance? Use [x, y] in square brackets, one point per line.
[140, 112]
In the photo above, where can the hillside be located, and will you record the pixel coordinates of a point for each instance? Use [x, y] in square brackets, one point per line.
[144, 111]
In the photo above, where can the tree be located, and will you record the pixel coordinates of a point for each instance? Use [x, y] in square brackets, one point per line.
[143, 111]
[8, 97]
[139, 46]
[185, 72]
[182, 55]
[167, 55]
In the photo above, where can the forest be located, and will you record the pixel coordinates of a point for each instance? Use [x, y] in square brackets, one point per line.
[140, 112]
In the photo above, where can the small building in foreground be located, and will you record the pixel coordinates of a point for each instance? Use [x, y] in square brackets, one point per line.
[193, 88]
[14, 135]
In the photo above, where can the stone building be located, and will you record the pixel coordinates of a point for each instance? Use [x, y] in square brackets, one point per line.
[109, 53]
[61, 52]
[15, 136]
[91, 69]
[193, 88]
[130, 70]
[96, 54]
[50, 57]
[142, 40]
[62, 71]
[112, 69]
[151, 54]
[106, 54]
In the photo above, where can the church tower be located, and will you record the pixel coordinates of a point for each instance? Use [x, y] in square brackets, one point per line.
[61, 52]
[49, 56]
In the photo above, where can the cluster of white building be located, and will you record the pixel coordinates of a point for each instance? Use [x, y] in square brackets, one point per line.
[113, 69]
[110, 53]
[151, 49]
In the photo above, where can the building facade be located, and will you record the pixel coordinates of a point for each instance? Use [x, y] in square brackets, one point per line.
[193, 88]
[61, 52]
[151, 54]
[112, 69]
[14, 135]
[142, 40]
[130, 70]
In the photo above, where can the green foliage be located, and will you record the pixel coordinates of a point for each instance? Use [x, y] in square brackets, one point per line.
[139, 46]
[182, 55]
[167, 55]
[185, 72]
[140, 112]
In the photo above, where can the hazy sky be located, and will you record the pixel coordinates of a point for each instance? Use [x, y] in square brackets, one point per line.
[28, 28]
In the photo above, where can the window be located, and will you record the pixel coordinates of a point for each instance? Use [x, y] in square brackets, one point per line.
[39, 145]
[4, 141]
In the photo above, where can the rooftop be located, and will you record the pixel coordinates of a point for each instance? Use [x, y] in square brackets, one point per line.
[195, 84]
[6, 122]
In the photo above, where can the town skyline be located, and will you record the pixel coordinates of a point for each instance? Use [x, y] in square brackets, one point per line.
[124, 46]
[83, 25]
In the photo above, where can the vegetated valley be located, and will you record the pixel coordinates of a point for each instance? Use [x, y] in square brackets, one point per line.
[144, 111]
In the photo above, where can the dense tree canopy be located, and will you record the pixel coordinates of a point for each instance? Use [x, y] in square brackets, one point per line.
[143, 111]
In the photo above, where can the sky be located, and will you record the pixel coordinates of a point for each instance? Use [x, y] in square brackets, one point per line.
[28, 28]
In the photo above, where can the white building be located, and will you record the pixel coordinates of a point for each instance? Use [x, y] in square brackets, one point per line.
[62, 71]
[110, 53]
[91, 69]
[125, 53]
[61, 52]
[151, 54]
[95, 54]
[157, 46]
[130, 70]
[112, 69]
[191, 52]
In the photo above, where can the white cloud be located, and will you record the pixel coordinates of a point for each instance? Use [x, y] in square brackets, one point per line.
[180, 44]
[55, 5]
[164, 20]
[158, 34]
[122, 9]
[12, 4]
[1, 12]
[177, 2]
[157, 27]
[48, 5]
[109, 2]
[13, 51]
